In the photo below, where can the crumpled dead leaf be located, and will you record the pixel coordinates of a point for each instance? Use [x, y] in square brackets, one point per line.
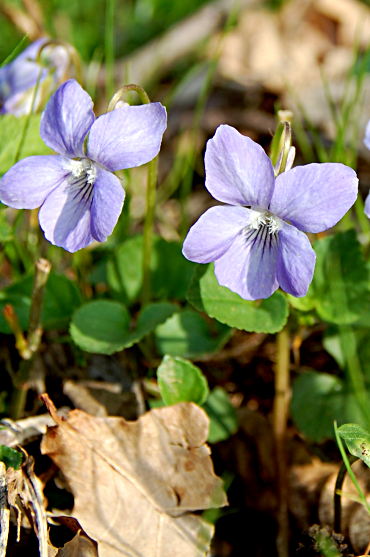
[79, 546]
[21, 490]
[135, 483]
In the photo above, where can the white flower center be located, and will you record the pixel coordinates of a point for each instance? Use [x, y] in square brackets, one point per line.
[266, 220]
[83, 171]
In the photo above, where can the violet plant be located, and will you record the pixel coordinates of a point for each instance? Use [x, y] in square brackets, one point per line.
[140, 290]
[80, 197]
[257, 239]
[42, 62]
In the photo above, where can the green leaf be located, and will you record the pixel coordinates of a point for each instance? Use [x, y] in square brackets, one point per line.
[61, 299]
[150, 317]
[343, 351]
[306, 303]
[11, 131]
[318, 399]
[341, 282]
[179, 381]
[10, 457]
[268, 316]
[223, 420]
[188, 334]
[357, 440]
[100, 326]
[103, 326]
[171, 272]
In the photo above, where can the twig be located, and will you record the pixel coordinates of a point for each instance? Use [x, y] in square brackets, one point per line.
[4, 512]
[21, 379]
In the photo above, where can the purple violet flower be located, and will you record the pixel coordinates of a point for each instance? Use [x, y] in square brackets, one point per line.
[257, 239]
[80, 197]
[367, 144]
[19, 77]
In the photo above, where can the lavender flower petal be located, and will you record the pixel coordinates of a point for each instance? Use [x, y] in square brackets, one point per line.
[108, 197]
[367, 135]
[238, 171]
[27, 183]
[295, 262]
[23, 72]
[316, 196]
[367, 206]
[249, 267]
[67, 118]
[65, 216]
[212, 235]
[128, 136]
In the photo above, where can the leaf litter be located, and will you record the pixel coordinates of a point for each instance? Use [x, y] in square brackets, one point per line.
[136, 484]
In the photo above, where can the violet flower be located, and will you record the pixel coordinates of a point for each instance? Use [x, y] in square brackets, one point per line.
[257, 239]
[80, 197]
[367, 143]
[19, 78]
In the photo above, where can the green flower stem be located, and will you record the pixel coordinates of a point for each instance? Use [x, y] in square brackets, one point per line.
[28, 119]
[21, 379]
[109, 45]
[280, 418]
[148, 233]
[350, 350]
[121, 94]
[73, 58]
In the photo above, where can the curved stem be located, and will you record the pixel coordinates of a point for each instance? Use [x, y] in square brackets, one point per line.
[73, 55]
[121, 94]
[148, 234]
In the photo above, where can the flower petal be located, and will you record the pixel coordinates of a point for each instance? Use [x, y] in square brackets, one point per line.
[316, 196]
[30, 180]
[296, 261]
[65, 217]
[107, 203]
[67, 118]
[249, 267]
[214, 232]
[367, 206]
[23, 72]
[238, 171]
[367, 135]
[128, 136]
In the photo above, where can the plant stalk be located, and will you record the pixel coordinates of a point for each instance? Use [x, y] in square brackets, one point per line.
[29, 351]
[280, 418]
[151, 191]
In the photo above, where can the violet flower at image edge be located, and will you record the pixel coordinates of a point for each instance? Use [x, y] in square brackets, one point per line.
[79, 196]
[257, 240]
[367, 144]
[20, 76]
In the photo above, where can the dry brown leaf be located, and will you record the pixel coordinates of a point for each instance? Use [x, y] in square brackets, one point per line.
[135, 483]
[24, 494]
[79, 546]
